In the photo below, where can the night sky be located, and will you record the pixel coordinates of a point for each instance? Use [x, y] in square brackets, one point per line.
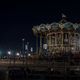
[18, 18]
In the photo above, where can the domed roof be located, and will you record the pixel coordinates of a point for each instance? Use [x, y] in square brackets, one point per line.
[68, 25]
[43, 27]
[48, 27]
[63, 25]
[34, 29]
[54, 26]
[38, 28]
[77, 27]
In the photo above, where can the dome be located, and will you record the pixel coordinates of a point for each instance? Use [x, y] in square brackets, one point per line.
[77, 27]
[34, 29]
[48, 27]
[68, 25]
[43, 27]
[54, 26]
[38, 28]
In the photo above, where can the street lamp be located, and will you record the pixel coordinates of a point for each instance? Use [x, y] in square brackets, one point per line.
[9, 53]
[23, 48]
[27, 51]
[29, 55]
[17, 54]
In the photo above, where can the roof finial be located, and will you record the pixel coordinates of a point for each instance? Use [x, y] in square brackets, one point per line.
[63, 15]
[63, 18]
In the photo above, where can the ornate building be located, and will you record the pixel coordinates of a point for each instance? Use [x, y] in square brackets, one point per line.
[58, 37]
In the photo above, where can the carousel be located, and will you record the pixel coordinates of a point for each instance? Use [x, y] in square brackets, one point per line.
[58, 37]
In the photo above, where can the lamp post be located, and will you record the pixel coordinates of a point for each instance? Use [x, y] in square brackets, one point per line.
[14, 59]
[9, 54]
[23, 48]
[17, 56]
[27, 50]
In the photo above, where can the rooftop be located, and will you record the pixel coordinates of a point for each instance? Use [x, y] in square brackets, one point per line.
[62, 24]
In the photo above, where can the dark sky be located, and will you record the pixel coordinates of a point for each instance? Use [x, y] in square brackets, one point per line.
[18, 18]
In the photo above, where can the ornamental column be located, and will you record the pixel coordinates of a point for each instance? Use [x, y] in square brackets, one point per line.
[40, 43]
[37, 43]
[55, 42]
[62, 41]
[69, 37]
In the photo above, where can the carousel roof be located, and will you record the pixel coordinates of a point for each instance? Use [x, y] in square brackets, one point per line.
[55, 26]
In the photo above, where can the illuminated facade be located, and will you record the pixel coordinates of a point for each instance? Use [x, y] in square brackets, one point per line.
[58, 37]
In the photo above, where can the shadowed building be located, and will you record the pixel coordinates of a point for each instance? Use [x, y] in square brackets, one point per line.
[58, 37]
